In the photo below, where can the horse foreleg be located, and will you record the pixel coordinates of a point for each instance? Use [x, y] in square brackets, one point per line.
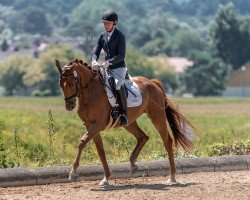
[141, 138]
[92, 131]
[73, 176]
[99, 146]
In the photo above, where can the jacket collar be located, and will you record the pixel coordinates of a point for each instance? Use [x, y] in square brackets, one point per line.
[112, 36]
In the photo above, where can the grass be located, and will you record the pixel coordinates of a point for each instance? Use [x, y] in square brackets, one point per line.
[40, 132]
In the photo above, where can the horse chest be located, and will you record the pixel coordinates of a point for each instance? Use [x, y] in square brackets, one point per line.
[85, 112]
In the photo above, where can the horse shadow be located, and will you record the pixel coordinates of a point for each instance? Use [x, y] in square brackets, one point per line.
[142, 186]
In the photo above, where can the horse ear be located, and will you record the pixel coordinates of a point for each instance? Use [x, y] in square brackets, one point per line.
[58, 66]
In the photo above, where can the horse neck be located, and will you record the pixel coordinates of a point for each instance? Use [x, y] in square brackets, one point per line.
[92, 98]
[86, 76]
[88, 82]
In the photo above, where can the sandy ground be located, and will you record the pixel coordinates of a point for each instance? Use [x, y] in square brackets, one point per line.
[212, 185]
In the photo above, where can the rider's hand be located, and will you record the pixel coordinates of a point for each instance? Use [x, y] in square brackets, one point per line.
[95, 65]
[105, 64]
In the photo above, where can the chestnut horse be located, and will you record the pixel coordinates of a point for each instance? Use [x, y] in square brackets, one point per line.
[78, 80]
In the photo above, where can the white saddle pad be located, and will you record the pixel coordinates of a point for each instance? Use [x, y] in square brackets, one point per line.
[133, 100]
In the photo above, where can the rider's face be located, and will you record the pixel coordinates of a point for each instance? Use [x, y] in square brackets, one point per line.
[108, 25]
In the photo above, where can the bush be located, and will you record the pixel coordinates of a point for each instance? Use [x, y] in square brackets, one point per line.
[12, 72]
[41, 93]
[138, 64]
[44, 75]
[230, 148]
[165, 73]
[4, 46]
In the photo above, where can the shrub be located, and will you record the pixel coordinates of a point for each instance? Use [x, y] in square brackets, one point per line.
[12, 72]
[230, 148]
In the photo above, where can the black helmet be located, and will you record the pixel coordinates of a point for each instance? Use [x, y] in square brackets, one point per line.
[110, 16]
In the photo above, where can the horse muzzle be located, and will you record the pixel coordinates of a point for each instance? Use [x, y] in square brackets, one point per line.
[70, 103]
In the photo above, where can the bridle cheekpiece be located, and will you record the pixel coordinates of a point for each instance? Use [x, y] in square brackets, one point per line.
[74, 76]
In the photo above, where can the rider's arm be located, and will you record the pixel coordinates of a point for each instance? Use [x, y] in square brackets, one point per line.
[121, 51]
[97, 49]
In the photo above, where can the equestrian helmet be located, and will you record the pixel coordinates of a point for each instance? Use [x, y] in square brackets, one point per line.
[110, 16]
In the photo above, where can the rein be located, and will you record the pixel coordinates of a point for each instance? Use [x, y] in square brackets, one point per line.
[77, 93]
[87, 85]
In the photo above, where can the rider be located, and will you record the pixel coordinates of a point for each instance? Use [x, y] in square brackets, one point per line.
[112, 41]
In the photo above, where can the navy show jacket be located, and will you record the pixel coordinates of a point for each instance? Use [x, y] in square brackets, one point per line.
[114, 49]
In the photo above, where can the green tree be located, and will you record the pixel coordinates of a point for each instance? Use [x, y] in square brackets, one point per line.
[228, 40]
[158, 44]
[157, 33]
[165, 73]
[2, 26]
[208, 8]
[140, 35]
[12, 73]
[245, 36]
[44, 74]
[185, 41]
[138, 64]
[6, 34]
[207, 76]
[35, 21]
[4, 45]
[88, 13]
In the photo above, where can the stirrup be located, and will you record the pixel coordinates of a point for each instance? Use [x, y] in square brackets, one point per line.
[123, 120]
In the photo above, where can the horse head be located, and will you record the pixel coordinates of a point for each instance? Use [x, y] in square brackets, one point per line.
[68, 84]
[72, 81]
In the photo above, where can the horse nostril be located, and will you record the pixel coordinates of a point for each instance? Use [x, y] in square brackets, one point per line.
[70, 105]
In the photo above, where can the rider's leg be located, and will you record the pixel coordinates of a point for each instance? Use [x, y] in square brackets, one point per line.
[119, 75]
[122, 99]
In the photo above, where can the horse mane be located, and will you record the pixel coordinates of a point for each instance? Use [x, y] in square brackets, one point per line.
[83, 64]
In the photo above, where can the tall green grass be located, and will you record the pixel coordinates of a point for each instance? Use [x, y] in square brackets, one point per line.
[40, 132]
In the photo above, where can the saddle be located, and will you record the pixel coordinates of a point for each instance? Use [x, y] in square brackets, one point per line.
[112, 84]
[134, 97]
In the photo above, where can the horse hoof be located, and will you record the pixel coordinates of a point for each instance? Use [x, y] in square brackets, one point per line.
[172, 182]
[133, 170]
[73, 176]
[104, 183]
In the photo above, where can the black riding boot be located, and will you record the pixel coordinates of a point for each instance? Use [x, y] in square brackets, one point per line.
[122, 100]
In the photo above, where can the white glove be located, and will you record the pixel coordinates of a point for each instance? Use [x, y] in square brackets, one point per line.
[105, 64]
[95, 65]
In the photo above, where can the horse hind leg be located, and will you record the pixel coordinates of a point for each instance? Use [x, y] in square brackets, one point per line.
[141, 138]
[160, 122]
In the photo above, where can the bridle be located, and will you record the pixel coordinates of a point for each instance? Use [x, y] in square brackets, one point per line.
[71, 99]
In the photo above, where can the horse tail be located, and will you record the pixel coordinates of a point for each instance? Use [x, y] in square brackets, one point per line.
[180, 126]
